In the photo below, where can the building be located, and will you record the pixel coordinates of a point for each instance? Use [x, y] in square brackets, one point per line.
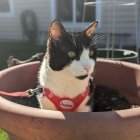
[118, 17]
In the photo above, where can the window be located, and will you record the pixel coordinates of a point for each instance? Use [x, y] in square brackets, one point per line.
[6, 8]
[75, 11]
[84, 13]
[64, 10]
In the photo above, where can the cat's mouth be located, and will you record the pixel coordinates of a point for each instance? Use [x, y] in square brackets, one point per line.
[82, 77]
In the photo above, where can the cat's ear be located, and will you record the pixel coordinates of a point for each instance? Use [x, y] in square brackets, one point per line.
[56, 30]
[91, 29]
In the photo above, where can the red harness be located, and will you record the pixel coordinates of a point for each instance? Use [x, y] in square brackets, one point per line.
[66, 104]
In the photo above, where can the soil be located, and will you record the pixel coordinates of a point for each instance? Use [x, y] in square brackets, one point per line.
[105, 99]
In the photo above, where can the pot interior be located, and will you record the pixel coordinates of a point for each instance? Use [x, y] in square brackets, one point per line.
[117, 75]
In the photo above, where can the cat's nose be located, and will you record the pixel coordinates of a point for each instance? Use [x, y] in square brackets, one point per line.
[87, 68]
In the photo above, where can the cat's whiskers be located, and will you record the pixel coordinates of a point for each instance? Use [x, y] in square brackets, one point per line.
[95, 39]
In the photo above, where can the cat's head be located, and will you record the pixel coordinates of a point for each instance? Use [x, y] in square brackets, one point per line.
[71, 53]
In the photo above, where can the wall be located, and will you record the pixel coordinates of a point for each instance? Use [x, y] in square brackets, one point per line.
[10, 27]
[123, 20]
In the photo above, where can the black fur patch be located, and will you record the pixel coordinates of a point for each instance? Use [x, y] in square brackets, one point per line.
[82, 77]
[58, 50]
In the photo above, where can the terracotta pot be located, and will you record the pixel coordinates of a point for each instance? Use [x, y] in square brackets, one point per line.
[26, 123]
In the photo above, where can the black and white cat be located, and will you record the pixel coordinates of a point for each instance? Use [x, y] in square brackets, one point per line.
[66, 69]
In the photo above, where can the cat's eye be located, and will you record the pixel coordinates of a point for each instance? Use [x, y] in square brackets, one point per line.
[72, 54]
[91, 53]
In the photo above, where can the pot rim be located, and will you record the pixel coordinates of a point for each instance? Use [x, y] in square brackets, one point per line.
[9, 106]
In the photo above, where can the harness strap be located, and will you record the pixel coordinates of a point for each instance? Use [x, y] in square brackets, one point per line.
[66, 104]
[15, 94]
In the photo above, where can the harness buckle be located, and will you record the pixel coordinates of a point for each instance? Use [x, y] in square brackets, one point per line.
[34, 92]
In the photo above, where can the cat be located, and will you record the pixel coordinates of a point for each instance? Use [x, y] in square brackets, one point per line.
[67, 68]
